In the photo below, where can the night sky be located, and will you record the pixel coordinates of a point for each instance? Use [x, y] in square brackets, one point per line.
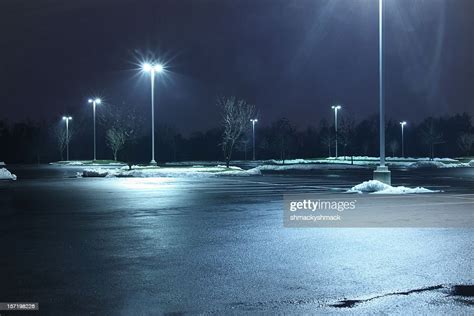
[292, 58]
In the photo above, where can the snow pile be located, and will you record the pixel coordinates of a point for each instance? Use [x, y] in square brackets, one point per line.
[306, 166]
[97, 172]
[370, 186]
[289, 161]
[377, 187]
[2, 163]
[405, 190]
[362, 160]
[112, 164]
[426, 165]
[195, 163]
[435, 164]
[241, 172]
[471, 163]
[75, 163]
[155, 172]
[6, 175]
[445, 159]
[455, 165]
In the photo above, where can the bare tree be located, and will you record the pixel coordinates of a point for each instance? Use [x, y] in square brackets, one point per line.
[393, 145]
[346, 133]
[236, 119]
[282, 141]
[242, 145]
[326, 139]
[465, 142]
[166, 140]
[61, 138]
[123, 126]
[116, 138]
[431, 135]
[365, 148]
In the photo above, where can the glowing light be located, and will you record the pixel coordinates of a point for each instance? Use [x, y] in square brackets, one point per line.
[158, 68]
[96, 101]
[146, 67]
[336, 107]
[403, 123]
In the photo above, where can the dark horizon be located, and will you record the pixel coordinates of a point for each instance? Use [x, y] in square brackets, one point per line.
[290, 59]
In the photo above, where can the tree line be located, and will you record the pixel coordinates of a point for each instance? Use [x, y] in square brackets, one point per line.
[123, 134]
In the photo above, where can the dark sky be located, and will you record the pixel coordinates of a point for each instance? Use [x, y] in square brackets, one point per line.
[292, 58]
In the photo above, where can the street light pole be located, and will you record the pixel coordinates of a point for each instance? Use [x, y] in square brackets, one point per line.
[253, 135]
[67, 119]
[381, 91]
[94, 102]
[152, 69]
[402, 124]
[382, 173]
[152, 80]
[336, 108]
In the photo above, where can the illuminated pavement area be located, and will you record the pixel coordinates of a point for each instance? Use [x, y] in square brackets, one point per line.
[218, 245]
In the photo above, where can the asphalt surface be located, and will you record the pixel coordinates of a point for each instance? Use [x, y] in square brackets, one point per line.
[106, 246]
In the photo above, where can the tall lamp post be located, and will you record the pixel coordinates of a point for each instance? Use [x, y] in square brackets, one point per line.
[67, 119]
[336, 108]
[382, 173]
[402, 124]
[253, 135]
[152, 69]
[94, 103]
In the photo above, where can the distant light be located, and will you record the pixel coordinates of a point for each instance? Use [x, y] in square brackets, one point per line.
[96, 101]
[336, 107]
[64, 117]
[254, 120]
[159, 68]
[403, 123]
[146, 67]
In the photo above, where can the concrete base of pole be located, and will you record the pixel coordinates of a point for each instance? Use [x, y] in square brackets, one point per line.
[153, 163]
[383, 175]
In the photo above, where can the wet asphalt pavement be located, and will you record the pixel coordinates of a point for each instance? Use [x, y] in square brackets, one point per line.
[106, 246]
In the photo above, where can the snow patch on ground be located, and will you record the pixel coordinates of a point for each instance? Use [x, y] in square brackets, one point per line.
[377, 187]
[249, 172]
[2, 163]
[96, 172]
[155, 172]
[6, 175]
[405, 190]
[436, 164]
[471, 163]
[75, 163]
[370, 161]
[306, 166]
[86, 163]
